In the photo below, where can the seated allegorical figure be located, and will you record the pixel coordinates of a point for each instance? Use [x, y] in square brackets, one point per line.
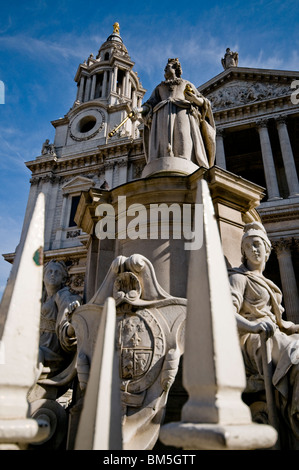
[257, 302]
[57, 335]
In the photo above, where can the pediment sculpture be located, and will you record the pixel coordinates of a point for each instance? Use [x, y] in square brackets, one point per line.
[240, 93]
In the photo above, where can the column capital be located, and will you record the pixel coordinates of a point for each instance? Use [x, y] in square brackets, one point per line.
[260, 123]
[123, 162]
[220, 132]
[35, 180]
[281, 119]
[282, 246]
[109, 165]
[49, 178]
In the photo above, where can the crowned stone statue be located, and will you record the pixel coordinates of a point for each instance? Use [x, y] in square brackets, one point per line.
[179, 128]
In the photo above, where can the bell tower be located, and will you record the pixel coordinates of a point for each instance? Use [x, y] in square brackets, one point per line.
[83, 155]
[107, 88]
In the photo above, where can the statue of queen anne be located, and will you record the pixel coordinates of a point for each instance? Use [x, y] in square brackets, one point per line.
[178, 121]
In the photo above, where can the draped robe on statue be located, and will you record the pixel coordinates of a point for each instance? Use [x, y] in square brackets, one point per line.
[56, 348]
[175, 127]
[257, 298]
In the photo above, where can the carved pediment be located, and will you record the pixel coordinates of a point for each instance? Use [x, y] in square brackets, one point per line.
[241, 93]
[244, 86]
[79, 183]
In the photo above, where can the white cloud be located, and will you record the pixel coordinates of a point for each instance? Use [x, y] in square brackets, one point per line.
[68, 47]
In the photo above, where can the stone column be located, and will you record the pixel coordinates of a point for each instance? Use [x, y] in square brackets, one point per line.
[114, 79]
[104, 86]
[50, 189]
[283, 252]
[87, 89]
[109, 173]
[65, 206]
[129, 87]
[91, 268]
[93, 86]
[51, 209]
[33, 193]
[123, 169]
[268, 161]
[134, 99]
[288, 157]
[126, 87]
[77, 95]
[81, 88]
[109, 87]
[220, 152]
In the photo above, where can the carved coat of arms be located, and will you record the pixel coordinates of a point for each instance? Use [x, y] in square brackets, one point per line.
[149, 339]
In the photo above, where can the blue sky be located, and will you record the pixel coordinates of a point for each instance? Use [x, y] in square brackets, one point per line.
[42, 43]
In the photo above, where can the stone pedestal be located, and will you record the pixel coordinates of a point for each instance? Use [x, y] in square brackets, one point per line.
[173, 165]
[234, 202]
[125, 215]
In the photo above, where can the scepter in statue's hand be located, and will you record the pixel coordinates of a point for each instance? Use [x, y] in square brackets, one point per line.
[133, 113]
[190, 95]
[113, 132]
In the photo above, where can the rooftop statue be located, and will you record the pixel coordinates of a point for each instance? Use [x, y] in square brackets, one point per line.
[116, 28]
[230, 59]
[259, 313]
[178, 121]
[48, 148]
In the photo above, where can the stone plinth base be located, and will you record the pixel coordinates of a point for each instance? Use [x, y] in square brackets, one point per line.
[172, 165]
[234, 201]
[197, 436]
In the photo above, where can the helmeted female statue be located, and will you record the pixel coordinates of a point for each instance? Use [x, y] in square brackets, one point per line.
[257, 301]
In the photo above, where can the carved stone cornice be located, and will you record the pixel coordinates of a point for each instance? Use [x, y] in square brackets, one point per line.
[73, 165]
[278, 213]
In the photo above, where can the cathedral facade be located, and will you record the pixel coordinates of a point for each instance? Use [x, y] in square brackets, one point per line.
[99, 158]
[257, 126]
